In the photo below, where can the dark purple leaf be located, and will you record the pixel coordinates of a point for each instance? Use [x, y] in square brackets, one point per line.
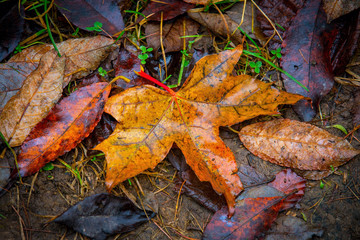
[305, 58]
[11, 26]
[101, 132]
[102, 215]
[84, 13]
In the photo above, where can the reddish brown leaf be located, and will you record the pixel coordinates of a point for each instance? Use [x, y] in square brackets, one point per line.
[171, 34]
[215, 22]
[296, 144]
[338, 8]
[11, 26]
[254, 215]
[202, 2]
[39, 93]
[70, 121]
[84, 13]
[306, 58]
[170, 9]
[151, 120]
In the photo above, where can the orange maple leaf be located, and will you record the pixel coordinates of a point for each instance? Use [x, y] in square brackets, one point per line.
[151, 120]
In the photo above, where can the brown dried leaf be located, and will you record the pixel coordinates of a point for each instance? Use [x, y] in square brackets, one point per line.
[171, 34]
[338, 8]
[296, 144]
[86, 53]
[39, 93]
[215, 22]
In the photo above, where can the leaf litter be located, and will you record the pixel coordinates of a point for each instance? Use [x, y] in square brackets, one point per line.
[133, 184]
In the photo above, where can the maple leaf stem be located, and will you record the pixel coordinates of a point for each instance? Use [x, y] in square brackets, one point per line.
[150, 78]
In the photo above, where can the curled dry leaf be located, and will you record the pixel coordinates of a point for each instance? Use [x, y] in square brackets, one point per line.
[151, 120]
[170, 9]
[84, 13]
[171, 34]
[296, 144]
[39, 93]
[69, 122]
[215, 22]
[81, 53]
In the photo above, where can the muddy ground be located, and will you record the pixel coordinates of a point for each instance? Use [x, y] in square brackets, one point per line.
[335, 208]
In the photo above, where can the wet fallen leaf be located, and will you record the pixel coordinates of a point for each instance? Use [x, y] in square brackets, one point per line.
[11, 26]
[171, 34]
[280, 12]
[151, 120]
[296, 144]
[255, 212]
[338, 8]
[102, 215]
[215, 22]
[84, 13]
[84, 54]
[12, 76]
[289, 227]
[170, 9]
[305, 58]
[69, 122]
[127, 63]
[39, 93]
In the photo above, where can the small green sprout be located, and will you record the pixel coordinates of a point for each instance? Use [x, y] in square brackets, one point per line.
[340, 127]
[276, 53]
[76, 32]
[97, 27]
[321, 184]
[143, 56]
[48, 167]
[102, 72]
[256, 66]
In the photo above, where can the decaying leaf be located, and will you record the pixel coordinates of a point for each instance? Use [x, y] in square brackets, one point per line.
[171, 34]
[296, 144]
[202, 2]
[170, 9]
[305, 58]
[255, 212]
[84, 13]
[215, 22]
[338, 8]
[39, 93]
[84, 54]
[102, 215]
[11, 26]
[151, 120]
[69, 122]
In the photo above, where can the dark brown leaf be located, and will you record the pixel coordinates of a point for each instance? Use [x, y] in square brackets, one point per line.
[170, 9]
[11, 26]
[102, 215]
[305, 57]
[215, 22]
[171, 34]
[84, 13]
